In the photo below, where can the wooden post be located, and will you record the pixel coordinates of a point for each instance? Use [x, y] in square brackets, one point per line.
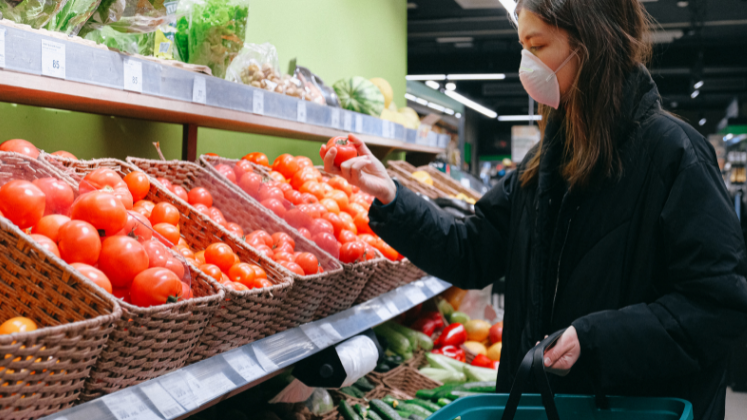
[189, 142]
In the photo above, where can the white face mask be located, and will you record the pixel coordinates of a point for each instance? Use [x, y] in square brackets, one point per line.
[539, 80]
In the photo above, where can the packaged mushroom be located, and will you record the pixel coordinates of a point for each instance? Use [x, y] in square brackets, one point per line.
[257, 66]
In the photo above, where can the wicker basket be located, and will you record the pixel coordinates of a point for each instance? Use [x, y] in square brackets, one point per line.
[409, 381]
[389, 275]
[448, 184]
[340, 294]
[413, 184]
[308, 292]
[188, 319]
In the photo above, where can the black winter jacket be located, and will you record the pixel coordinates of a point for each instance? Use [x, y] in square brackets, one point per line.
[649, 268]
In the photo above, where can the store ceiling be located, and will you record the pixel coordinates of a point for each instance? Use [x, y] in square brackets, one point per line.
[444, 37]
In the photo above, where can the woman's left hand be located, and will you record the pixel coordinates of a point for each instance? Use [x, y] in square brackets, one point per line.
[563, 355]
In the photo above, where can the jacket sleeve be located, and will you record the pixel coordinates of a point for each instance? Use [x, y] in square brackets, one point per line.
[469, 253]
[702, 300]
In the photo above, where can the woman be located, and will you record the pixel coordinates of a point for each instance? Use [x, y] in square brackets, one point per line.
[617, 226]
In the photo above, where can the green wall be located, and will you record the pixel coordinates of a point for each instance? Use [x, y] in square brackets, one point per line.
[333, 38]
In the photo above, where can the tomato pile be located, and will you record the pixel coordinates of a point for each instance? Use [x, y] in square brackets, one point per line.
[329, 211]
[281, 248]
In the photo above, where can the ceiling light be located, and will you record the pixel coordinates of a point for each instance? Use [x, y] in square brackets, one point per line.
[472, 104]
[422, 77]
[412, 6]
[695, 94]
[433, 85]
[449, 111]
[458, 115]
[484, 76]
[449, 40]
[520, 118]
[698, 85]
[451, 86]
[410, 97]
[728, 137]
[437, 107]
[702, 122]
[510, 6]
[682, 4]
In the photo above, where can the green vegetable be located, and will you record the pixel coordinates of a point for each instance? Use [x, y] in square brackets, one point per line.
[424, 341]
[412, 335]
[445, 376]
[404, 413]
[364, 384]
[398, 343]
[480, 374]
[360, 95]
[394, 359]
[414, 408]
[347, 412]
[384, 410]
[459, 317]
[416, 417]
[391, 401]
[456, 394]
[361, 410]
[484, 387]
[425, 394]
[30, 12]
[443, 402]
[382, 367]
[352, 391]
[443, 362]
[73, 16]
[445, 308]
[373, 416]
[425, 404]
[444, 390]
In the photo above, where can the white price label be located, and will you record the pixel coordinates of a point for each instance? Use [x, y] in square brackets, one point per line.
[386, 129]
[211, 386]
[53, 59]
[267, 364]
[125, 405]
[162, 400]
[258, 102]
[415, 295]
[358, 123]
[199, 91]
[321, 335]
[243, 365]
[335, 118]
[178, 387]
[434, 285]
[348, 122]
[301, 111]
[2, 47]
[133, 75]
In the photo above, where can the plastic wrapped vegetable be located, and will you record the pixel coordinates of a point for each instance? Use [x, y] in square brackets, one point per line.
[35, 13]
[107, 36]
[257, 65]
[73, 16]
[134, 16]
[211, 32]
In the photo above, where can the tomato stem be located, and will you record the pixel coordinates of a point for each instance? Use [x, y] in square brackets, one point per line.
[172, 299]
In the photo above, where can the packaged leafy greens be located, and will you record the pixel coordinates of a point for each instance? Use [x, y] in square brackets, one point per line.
[135, 16]
[35, 13]
[73, 16]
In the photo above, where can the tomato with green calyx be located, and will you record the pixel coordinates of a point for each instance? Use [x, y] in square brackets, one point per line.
[345, 149]
[155, 286]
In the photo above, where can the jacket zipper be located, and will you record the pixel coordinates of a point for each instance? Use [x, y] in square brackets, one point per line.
[557, 278]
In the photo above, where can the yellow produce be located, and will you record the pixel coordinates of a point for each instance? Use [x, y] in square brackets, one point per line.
[385, 88]
[393, 107]
[400, 119]
[475, 347]
[423, 177]
[411, 116]
[388, 115]
[477, 329]
[494, 352]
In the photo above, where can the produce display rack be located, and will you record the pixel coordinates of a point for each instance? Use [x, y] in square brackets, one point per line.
[196, 387]
[40, 70]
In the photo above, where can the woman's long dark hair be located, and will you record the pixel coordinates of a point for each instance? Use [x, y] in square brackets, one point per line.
[611, 37]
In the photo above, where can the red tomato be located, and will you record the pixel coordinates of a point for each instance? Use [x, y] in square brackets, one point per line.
[266, 192]
[305, 232]
[221, 255]
[345, 149]
[250, 183]
[155, 286]
[321, 226]
[138, 184]
[336, 222]
[304, 175]
[304, 162]
[200, 195]
[175, 266]
[293, 267]
[361, 223]
[59, 195]
[217, 216]
[242, 273]
[330, 205]
[79, 241]
[64, 154]
[146, 206]
[167, 232]
[310, 210]
[180, 192]
[202, 209]
[200, 257]
[101, 209]
[326, 189]
[109, 181]
[185, 252]
[340, 198]
[164, 212]
[49, 226]
[278, 177]
[166, 183]
[212, 270]
[46, 243]
[137, 227]
[226, 171]
[346, 236]
[235, 229]
[328, 243]
[308, 262]
[95, 275]
[282, 256]
[282, 237]
[307, 198]
[286, 165]
[264, 249]
[22, 202]
[242, 167]
[123, 294]
[263, 236]
[314, 188]
[186, 292]
[283, 247]
[260, 272]
[275, 205]
[352, 252]
[238, 287]
[339, 183]
[370, 253]
[284, 187]
[319, 209]
[258, 159]
[121, 259]
[293, 196]
[20, 146]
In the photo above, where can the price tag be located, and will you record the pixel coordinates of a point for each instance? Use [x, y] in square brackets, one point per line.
[243, 365]
[178, 387]
[433, 285]
[415, 295]
[162, 400]
[267, 364]
[386, 129]
[301, 111]
[2, 47]
[211, 386]
[125, 405]
[199, 91]
[335, 118]
[133, 75]
[53, 59]
[348, 122]
[258, 102]
[321, 335]
[358, 123]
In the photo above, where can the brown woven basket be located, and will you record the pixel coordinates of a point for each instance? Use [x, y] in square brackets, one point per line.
[409, 381]
[413, 184]
[189, 318]
[402, 164]
[340, 294]
[448, 184]
[418, 360]
[384, 390]
[389, 275]
[308, 292]
[45, 370]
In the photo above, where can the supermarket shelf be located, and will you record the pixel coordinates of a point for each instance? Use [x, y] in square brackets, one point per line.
[93, 81]
[196, 387]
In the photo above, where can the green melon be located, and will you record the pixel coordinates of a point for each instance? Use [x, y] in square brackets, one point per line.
[360, 95]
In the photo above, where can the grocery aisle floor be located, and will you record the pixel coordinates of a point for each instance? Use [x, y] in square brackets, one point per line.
[736, 405]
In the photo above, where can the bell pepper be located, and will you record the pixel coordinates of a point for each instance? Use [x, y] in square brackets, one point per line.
[453, 335]
[425, 325]
[452, 352]
[482, 360]
[434, 316]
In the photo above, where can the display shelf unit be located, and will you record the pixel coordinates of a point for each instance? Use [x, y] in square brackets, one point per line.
[47, 71]
[196, 387]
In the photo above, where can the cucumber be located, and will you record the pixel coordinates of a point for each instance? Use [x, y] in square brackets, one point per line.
[364, 384]
[352, 391]
[444, 390]
[412, 335]
[384, 410]
[361, 410]
[347, 412]
[382, 367]
[443, 402]
[426, 394]
[391, 401]
[482, 387]
[397, 342]
[404, 413]
[373, 416]
[425, 404]
[415, 417]
[453, 395]
[415, 409]
[424, 341]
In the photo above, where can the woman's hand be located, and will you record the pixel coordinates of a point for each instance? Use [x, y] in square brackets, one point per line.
[564, 354]
[364, 171]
